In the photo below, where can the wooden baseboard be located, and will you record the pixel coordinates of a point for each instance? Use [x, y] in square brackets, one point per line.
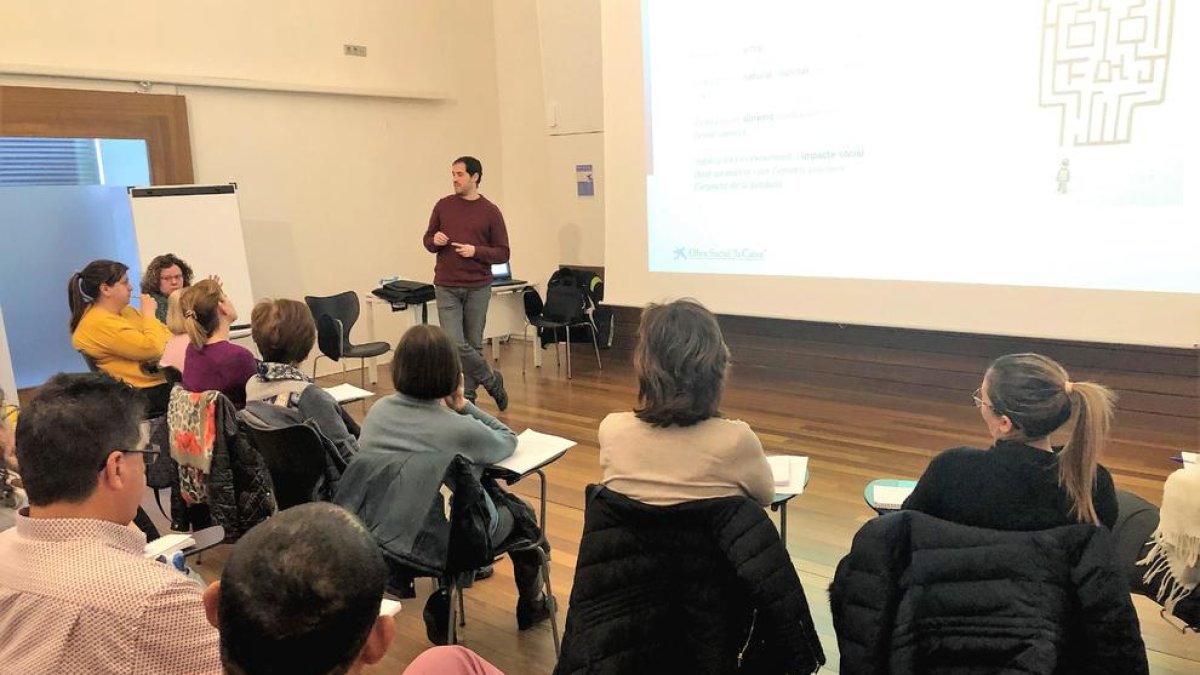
[1160, 382]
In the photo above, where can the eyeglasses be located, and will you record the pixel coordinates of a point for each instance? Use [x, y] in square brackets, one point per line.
[149, 456]
[977, 399]
[171, 277]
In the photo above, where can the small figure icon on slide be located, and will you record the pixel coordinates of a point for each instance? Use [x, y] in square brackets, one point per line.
[1064, 175]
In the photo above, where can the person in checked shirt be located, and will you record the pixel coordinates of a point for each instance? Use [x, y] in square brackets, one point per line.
[76, 595]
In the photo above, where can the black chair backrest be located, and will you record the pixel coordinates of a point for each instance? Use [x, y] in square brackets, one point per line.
[331, 337]
[295, 457]
[164, 472]
[533, 302]
[1136, 521]
[172, 374]
[343, 307]
[564, 303]
[89, 362]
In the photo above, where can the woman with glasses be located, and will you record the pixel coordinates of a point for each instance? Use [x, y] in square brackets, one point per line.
[164, 275]
[1023, 482]
[122, 341]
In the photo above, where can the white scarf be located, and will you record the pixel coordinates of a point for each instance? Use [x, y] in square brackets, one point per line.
[1176, 549]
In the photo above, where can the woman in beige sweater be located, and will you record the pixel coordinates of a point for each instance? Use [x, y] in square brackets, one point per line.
[675, 447]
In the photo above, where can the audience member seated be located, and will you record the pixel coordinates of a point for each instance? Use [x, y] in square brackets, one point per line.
[1022, 482]
[997, 562]
[213, 363]
[1172, 565]
[450, 660]
[917, 594]
[164, 275]
[175, 352]
[428, 423]
[284, 332]
[704, 586]
[76, 595]
[122, 341]
[12, 491]
[675, 447]
[300, 594]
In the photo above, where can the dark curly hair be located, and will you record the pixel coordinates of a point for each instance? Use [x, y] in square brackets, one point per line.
[151, 279]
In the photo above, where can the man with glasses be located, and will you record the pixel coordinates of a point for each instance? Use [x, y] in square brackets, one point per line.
[76, 595]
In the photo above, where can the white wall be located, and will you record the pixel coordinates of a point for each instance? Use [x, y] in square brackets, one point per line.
[523, 153]
[265, 41]
[549, 51]
[574, 101]
[579, 221]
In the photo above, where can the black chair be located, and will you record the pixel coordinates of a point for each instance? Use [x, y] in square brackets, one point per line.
[295, 458]
[565, 306]
[458, 612]
[335, 316]
[91, 364]
[466, 552]
[1136, 521]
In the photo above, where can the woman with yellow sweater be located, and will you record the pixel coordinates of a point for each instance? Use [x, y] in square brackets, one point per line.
[122, 341]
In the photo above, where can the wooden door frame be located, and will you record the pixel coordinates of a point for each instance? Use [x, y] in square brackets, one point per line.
[160, 120]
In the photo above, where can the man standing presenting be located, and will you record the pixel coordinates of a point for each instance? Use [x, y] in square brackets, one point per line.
[467, 233]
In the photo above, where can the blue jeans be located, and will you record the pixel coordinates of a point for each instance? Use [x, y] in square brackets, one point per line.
[462, 312]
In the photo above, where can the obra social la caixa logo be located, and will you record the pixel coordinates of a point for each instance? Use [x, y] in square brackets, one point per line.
[695, 253]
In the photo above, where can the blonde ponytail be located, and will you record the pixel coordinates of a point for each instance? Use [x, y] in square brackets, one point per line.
[1077, 462]
[1037, 395]
[201, 317]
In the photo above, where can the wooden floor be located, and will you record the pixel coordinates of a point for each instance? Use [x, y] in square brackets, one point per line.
[851, 437]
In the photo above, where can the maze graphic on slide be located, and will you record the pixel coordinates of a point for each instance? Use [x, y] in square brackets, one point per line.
[1101, 60]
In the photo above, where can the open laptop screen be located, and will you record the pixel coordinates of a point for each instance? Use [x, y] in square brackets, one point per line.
[501, 272]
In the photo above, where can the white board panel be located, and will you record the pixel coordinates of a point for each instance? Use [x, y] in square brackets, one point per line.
[8, 380]
[201, 224]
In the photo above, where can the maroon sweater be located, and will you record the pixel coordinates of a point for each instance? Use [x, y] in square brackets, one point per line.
[477, 222]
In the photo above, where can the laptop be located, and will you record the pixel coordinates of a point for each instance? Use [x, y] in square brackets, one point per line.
[502, 276]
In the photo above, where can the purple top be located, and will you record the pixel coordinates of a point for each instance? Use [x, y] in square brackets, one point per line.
[222, 366]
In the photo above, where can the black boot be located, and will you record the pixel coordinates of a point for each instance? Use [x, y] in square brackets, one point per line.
[437, 617]
[497, 391]
[532, 613]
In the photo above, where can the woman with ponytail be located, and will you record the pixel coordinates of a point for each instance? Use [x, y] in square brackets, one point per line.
[212, 362]
[1022, 482]
[122, 341]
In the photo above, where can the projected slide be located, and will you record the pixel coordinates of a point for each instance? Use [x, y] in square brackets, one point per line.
[1026, 143]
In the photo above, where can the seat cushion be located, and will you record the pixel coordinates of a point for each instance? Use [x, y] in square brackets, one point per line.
[367, 350]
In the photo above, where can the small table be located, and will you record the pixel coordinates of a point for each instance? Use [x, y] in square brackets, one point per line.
[505, 316]
[779, 503]
[869, 492]
[510, 477]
